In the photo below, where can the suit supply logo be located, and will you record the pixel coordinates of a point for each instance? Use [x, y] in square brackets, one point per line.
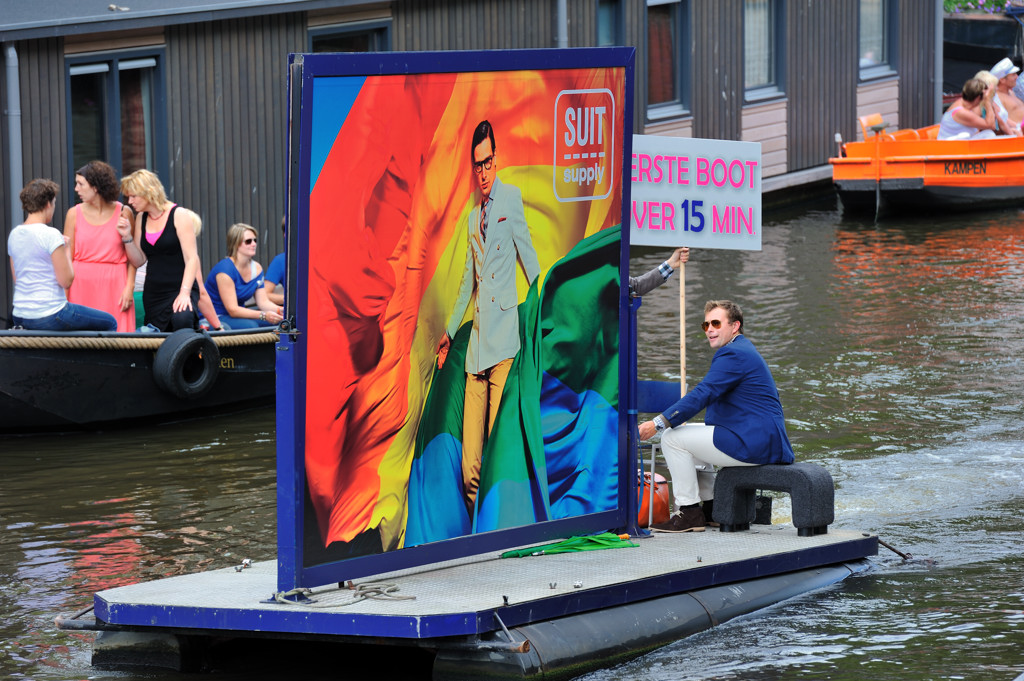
[584, 145]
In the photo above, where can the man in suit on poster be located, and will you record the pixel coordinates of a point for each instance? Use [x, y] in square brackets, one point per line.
[498, 239]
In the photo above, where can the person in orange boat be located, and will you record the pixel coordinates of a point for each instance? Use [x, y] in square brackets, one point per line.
[104, 279]
[1006, 73]
[964, 118]
[1004, 126]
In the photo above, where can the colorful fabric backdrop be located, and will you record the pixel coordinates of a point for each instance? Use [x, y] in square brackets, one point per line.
[393, 187]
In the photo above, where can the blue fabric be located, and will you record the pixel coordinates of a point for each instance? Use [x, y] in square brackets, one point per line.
[244, 290]
[237, 323]
[581, 448]
[742, 403]
[275, 271]
[71, 317]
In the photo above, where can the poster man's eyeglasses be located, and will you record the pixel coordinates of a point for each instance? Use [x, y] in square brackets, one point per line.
[481, 166]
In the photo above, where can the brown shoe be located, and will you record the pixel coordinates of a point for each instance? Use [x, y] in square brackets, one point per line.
[688, 519]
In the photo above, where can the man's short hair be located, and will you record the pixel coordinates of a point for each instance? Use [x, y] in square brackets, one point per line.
[732, 310]
[483, 131]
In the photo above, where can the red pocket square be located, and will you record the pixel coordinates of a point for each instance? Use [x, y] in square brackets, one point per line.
[502, 219]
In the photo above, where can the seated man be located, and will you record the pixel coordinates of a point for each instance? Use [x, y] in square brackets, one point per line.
[743, 424]
[1006, 72]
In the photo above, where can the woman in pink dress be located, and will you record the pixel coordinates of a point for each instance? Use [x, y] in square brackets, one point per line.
[104, 279]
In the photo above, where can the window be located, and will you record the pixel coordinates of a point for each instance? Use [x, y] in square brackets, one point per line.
[115, 111]
[609, 23]
[667, 58]
[877, 35]
[360, 36]
[762, 53]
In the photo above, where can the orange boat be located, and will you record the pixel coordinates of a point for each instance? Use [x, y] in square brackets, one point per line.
[912, 169]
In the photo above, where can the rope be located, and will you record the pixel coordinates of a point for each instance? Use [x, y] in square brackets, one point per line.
[121, 343]
[380, 591]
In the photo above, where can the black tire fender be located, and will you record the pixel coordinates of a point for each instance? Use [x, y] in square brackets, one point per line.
[186, 364]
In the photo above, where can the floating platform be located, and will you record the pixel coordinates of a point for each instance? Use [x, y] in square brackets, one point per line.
[550, 616]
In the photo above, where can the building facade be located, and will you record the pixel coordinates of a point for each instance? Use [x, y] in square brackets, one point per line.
[196, 91]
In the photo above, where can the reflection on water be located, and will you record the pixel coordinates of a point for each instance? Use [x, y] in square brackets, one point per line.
[86, 512]
[896, 348]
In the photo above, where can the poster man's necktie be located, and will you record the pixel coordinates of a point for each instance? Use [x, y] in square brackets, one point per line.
[483, 221]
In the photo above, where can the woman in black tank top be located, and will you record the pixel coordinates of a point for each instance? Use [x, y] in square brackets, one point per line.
[167, 241]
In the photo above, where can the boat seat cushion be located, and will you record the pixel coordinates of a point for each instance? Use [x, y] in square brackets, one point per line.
[810, 487]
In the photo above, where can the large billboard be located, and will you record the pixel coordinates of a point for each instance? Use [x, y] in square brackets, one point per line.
[455, 253]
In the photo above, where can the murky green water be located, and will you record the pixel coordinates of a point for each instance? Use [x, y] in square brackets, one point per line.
[897, 350]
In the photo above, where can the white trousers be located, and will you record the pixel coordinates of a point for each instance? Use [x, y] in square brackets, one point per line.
[691, 455]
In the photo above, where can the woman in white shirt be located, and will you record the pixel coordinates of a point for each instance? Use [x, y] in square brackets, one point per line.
[41, 265]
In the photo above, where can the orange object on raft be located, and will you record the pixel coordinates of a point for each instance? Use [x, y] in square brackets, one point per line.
[661, 503]
[911, 169]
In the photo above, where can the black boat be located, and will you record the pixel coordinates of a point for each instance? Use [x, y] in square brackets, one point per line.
[87, 379]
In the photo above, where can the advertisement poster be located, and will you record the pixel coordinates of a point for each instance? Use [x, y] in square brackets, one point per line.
[460, 322]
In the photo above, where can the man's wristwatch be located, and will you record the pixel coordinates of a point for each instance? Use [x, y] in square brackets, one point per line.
[659, 423]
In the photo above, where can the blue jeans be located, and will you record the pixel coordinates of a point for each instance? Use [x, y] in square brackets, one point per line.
[243, 323]
[71, 317]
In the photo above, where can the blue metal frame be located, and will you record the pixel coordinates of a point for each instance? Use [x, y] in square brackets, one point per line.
[292, 358]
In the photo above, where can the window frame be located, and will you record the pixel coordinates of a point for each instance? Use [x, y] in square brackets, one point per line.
[890, 36]
[112, 118]
[379, 28]
[777, 88]
[679, 107]
[618, 22]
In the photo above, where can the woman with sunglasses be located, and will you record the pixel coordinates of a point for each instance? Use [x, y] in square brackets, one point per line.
[743, 422]
[165, 239]
[236, 279]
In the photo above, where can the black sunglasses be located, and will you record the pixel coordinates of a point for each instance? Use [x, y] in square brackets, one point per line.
[249, 241]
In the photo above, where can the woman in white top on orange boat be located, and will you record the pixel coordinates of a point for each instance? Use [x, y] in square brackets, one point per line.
[964, 120]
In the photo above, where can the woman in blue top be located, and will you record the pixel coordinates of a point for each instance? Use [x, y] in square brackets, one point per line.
[236, 279]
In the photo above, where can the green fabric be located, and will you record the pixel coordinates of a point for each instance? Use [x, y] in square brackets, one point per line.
[605, 540]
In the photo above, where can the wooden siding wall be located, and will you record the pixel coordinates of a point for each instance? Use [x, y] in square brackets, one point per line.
[474, 24]
[881, 97]
[916, 63]
[821, 78]
[44, 139]
[226, 85]
[766, 123]
[634, 34]
[716, 92]
[5, 204]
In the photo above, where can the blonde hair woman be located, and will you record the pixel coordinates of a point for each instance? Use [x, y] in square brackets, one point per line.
[239, 277]
[167, 241]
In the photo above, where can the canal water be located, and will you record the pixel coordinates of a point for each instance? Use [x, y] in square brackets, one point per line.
[897, 348]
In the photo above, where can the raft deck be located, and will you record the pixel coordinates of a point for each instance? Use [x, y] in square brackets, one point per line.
[487, 601]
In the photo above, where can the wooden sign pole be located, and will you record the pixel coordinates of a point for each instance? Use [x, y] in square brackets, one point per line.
[682, 328]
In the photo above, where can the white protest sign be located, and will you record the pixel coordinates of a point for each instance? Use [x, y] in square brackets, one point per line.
[695, 192]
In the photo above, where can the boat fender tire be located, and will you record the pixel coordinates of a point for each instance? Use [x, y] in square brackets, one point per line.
[186, 364]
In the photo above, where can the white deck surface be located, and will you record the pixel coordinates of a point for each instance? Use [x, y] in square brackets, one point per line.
[480, 583]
